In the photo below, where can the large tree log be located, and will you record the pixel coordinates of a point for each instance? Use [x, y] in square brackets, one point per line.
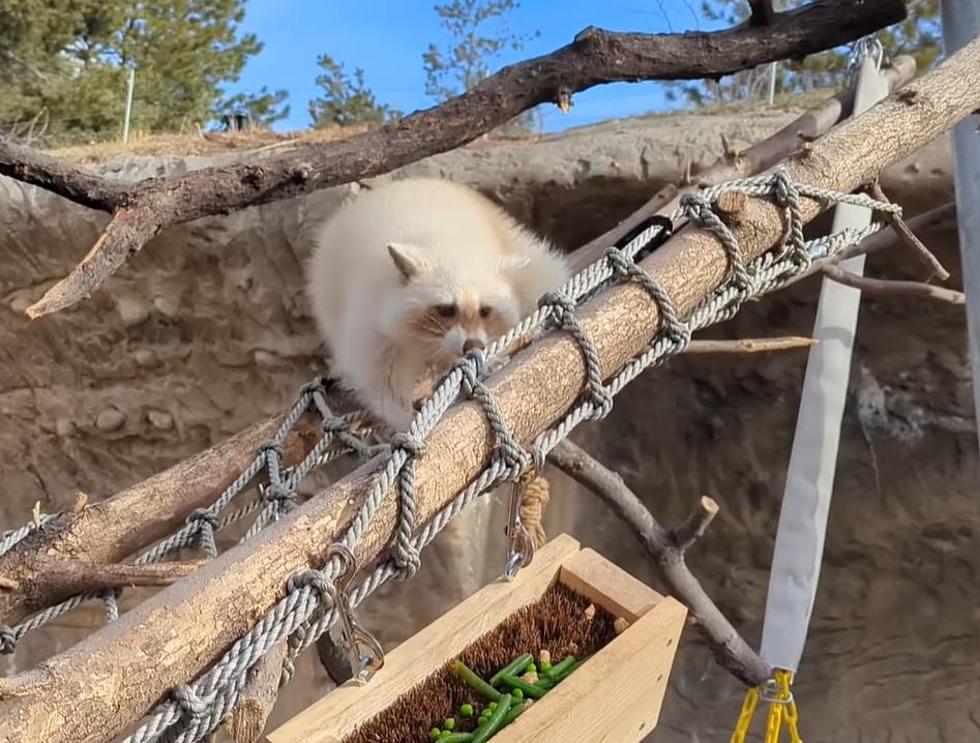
[96, 688]
[104, 534]
[114, 529]
[595, 57]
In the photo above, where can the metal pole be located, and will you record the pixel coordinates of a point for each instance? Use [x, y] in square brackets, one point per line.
[777, 6]
[961, 24]
[129, 103]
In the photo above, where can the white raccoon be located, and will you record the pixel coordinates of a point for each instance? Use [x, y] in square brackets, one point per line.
[408, 277]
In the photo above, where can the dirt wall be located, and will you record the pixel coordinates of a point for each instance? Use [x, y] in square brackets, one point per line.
[207, 330]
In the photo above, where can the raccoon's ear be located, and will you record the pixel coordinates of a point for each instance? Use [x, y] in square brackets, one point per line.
[511, 264]
[409, 262]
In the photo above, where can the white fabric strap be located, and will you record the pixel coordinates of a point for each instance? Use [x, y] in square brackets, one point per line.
[810, 479]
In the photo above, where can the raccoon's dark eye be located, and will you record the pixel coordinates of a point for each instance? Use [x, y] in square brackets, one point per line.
[485, 312]
[447, 311]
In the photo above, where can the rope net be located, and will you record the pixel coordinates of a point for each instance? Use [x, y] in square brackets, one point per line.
[310, 606]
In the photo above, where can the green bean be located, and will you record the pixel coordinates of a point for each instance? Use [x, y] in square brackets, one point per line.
[516, 666]
[566, 663]
[483, 733]
[457, 738]
[530, 690]
[478, 684]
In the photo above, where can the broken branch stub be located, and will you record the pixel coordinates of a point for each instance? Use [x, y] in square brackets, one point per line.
[87, 692]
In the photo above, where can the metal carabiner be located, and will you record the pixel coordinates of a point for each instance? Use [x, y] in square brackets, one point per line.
[363, 664]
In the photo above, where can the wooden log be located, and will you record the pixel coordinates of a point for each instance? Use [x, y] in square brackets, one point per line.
[111, 531]
[97, 688]
[259, 696]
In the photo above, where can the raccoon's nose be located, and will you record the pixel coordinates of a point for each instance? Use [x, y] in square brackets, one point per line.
[473, 344]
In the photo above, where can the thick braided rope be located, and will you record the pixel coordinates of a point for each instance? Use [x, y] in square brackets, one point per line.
[200, 706]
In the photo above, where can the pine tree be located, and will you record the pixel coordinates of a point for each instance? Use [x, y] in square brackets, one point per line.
[919, 35]
[480, 32]
[182, 51]
[345, 100]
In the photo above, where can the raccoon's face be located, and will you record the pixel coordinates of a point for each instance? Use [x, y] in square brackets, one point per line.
[448, 317]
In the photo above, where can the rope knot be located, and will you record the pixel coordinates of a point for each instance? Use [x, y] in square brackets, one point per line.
[411, 445]
[276, 493]
[561, 306]
[335, 425]
[314, 385]
[315, 580]
[8, 640]
[271, 449]
[619, 262]
[206, 522]
[471, 367]
[190, 702]
[203, 515]
[783, 191]
[696, 208]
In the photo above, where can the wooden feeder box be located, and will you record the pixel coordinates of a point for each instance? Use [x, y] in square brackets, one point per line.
[629, 672]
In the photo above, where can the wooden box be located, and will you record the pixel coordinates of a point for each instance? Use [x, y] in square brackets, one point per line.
[631, 670]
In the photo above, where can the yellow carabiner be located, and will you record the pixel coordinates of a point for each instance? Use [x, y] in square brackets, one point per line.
[782, 708]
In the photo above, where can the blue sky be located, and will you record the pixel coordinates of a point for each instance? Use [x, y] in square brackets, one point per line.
[386, 38]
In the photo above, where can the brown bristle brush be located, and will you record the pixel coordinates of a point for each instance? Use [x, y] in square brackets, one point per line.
[560, 622]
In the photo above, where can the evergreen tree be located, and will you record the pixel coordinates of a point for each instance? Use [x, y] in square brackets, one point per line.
[345, 100]
[919, 35]
[80, 52]
[479, 33]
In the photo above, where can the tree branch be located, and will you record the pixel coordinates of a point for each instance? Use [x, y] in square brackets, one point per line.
[936, 218]
[911, 241]
[71, 577]
[595, 57]
[749, 345]
[258, 697]
[667, 549]
[760, 156]
[914, 289]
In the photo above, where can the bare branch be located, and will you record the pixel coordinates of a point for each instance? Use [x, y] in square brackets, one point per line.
[908, 237]
[71, 577]
[685, 535]
[667, 549]
[940, 216]
[258, 697]
[595, 57]
[750, 345]
[913, 289]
